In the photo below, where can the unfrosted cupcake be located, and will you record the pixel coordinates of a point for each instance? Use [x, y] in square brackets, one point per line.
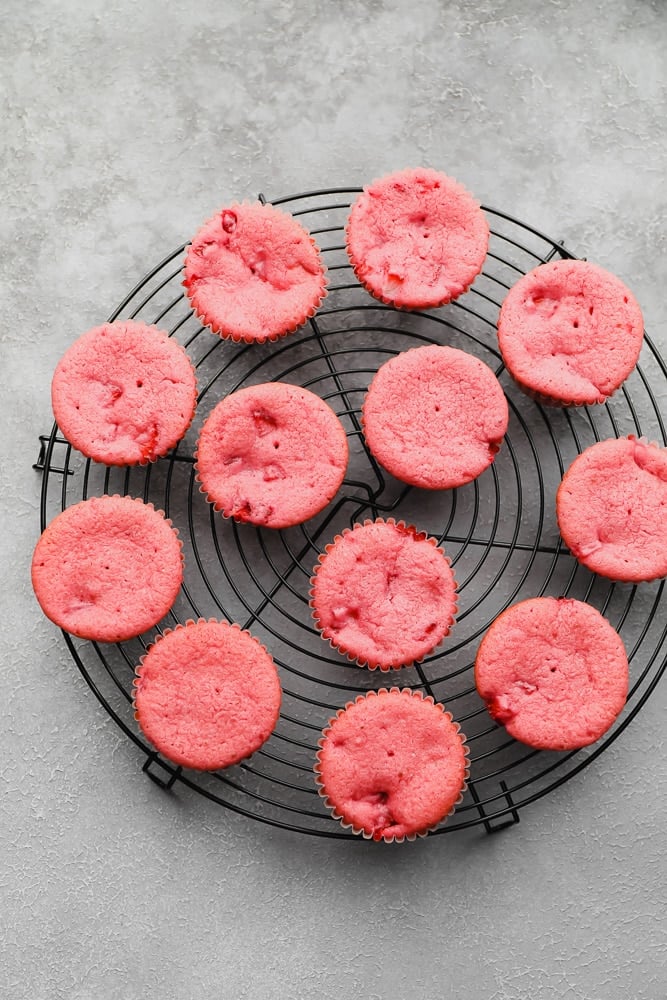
[253, 273]
[611, 508]
[108, 568]
[435, 417]
[416, 238]
[124, 393]
[392, 765]
[384, 594]
[207, 694]
[273, 455]
[554, 672]
[570, 333]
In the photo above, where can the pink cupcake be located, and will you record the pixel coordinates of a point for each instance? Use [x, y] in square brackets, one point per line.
[416, 238]
[272, 454]
[611, 508]
[207, 695]
[435, 417]
[253, 273]
[124, 393]
[392, 765]
[570, 333]
[554, 672]
[384, 594]
[108, 568]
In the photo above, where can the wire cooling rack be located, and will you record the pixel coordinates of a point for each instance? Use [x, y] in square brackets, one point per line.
[499, 531]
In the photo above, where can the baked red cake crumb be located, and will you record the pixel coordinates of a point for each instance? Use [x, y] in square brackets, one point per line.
[611, 508]
[392, 765]
[554, 672]
[384, 594]
[124, 393]
[570, 333]
[272, 454]
[207, 694]
[416, 238]
[435, 417]
[253, 273]
[107, 568]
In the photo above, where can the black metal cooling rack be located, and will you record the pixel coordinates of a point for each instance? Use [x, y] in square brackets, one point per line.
[500, 530]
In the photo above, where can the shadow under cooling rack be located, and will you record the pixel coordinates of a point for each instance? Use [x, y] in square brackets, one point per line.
[499, 531]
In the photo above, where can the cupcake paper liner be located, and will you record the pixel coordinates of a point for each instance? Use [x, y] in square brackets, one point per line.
[554, 401]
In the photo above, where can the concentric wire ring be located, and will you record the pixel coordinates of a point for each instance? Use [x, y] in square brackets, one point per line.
[499, 531]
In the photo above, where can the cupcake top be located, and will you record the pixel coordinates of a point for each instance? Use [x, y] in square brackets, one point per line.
[435, 417]
[253, 273]
[384, 594]
[611, 508]
[554, 672]
[272, 455]
[570, 332]
[207, 695]
[416, 238]
[124, 393]
[392, 765]
[107, 568]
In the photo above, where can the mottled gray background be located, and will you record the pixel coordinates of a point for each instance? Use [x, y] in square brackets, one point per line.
[125, 124]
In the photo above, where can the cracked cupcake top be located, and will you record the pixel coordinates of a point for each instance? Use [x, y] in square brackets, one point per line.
[384, 594]
[253, 273]
[272, 454]
[570, 332]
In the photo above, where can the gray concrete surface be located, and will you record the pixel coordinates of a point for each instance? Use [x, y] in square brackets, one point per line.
[125, 124]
